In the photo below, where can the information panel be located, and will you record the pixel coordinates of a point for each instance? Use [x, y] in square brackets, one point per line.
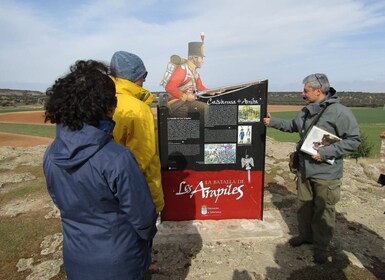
[213, 162]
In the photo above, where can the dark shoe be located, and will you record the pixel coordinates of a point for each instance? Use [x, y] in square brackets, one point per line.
[298, 241]
[320, 256]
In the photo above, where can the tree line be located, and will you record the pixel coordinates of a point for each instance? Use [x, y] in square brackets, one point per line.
[350, 99]
[13, 98]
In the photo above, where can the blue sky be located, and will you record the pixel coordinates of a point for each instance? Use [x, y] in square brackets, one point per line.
[246, 40]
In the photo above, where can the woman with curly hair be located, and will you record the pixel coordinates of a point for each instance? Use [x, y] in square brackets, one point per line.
[106, 209]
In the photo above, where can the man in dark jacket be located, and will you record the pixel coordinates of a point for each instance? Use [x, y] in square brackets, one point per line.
[106, 208]
[318, 183]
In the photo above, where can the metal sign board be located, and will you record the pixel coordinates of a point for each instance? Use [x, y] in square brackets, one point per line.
[213, 163]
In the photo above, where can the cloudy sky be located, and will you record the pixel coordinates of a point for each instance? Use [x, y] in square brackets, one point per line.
[246, 40]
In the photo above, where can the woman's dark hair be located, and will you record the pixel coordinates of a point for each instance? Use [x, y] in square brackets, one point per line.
[85, 95]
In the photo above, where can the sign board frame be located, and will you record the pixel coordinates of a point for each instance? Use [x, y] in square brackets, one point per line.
[213, 164]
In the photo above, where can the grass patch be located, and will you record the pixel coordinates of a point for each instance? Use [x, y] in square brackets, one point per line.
[34, 170]
[21, 237]
[25, 188]
[29, 129]
[20, 109]
[22, 190]
[369, 115]
[282, 136]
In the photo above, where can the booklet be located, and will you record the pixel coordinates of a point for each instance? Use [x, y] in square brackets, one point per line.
[318, 137]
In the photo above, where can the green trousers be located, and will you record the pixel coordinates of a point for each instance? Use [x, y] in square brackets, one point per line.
[316, 211]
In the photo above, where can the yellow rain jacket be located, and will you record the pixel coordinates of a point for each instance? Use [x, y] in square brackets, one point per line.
[135, 128]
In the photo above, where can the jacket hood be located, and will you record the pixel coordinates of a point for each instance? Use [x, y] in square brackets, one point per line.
[71, 149]
[127, 87]
[331, 97]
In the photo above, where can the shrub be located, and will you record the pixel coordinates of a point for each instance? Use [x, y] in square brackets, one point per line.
[364, 149]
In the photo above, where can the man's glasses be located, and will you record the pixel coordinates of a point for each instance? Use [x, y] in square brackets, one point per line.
[145, 75]
[318, 80]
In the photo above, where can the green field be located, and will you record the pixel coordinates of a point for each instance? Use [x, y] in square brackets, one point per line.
[371, 121]
[29, 129]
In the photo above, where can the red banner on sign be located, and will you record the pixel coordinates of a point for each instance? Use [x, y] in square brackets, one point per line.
[212, 195]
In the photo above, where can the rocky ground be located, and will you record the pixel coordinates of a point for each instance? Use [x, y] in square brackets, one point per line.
[357, 249]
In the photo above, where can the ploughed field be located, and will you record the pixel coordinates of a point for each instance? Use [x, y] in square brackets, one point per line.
[37, 117]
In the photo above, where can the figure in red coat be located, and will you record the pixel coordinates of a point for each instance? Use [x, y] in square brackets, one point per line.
[184, 82]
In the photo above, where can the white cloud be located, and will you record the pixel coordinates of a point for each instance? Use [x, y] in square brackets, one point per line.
[282, 41]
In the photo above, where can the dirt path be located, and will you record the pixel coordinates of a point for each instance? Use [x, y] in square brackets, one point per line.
[35, 117]
[19, 140]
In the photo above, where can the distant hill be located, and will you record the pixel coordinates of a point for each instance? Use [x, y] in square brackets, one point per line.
[16, 98]
[19, 92]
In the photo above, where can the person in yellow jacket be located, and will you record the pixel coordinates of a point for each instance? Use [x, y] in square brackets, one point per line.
[135, 125]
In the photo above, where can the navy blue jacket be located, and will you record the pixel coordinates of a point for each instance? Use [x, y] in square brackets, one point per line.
[106, 208]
